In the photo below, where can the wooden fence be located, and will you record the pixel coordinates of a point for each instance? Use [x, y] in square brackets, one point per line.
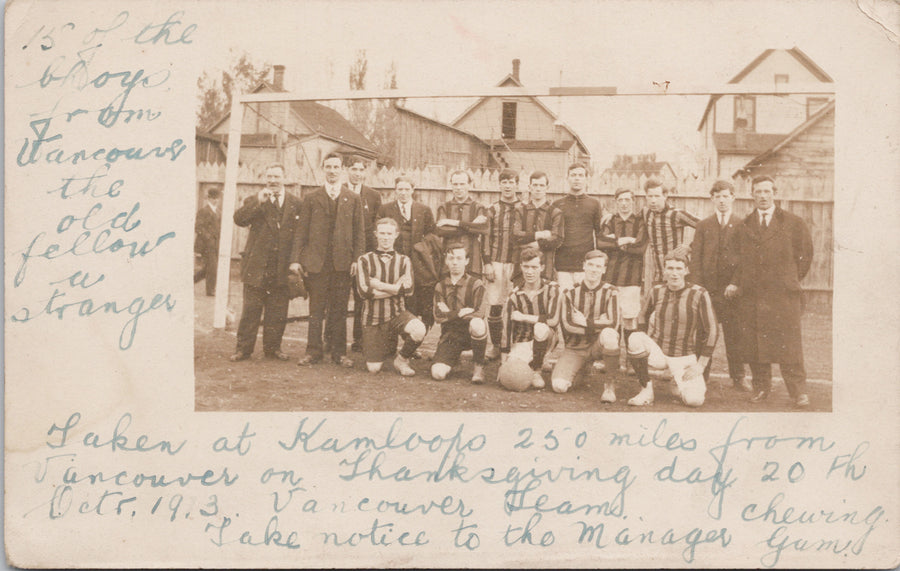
[797, 196]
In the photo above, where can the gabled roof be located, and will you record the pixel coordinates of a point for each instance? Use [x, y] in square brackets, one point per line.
[320, 119]
[511, 81]
[412, 113]
[805, 126]
[798, 54]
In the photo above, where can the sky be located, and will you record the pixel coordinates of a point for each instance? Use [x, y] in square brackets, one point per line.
[447, 46]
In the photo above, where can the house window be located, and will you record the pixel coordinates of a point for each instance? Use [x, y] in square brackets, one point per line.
[781, 78]
[745, 112]
[813, 104]
[509, 120]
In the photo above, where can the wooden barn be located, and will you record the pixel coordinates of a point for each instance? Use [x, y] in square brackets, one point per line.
[803, 161]
[423, 142]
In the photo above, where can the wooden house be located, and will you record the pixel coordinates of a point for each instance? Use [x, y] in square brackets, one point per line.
[523, 133]
[737, 128]
[297, 133]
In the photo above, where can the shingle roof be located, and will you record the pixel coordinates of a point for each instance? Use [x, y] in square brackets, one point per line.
[328, 122]
[532, 145]
[754, 143]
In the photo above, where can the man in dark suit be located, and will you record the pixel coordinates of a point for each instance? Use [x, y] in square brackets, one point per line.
[713, 261]
[330, 238]
[206, 238]
[774, 254]
[273, 216]
[415, 221]
[371, 200]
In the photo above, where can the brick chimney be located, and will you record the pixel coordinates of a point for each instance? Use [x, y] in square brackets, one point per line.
[515, 73]
[278, 76]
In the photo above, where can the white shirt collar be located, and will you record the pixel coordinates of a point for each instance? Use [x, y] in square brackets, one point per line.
[723, 216]
[767, 212]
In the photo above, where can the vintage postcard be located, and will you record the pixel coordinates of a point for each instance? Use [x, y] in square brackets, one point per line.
[451, 284]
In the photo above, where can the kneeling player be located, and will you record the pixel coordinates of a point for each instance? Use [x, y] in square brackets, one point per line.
[457, 308]
[384, 278]
[681, 335]
[532, 314]
[589, 317]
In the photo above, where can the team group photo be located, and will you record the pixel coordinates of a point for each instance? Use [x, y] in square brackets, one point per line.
[370, 255]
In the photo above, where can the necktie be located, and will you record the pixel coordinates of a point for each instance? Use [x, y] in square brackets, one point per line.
[406, 211]
[765, 220]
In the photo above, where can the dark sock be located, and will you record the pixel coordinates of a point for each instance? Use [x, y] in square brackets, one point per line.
[640, 367]
[539, 349]
[478, 348]
[495, 324]
[611, 362]
[409, 346]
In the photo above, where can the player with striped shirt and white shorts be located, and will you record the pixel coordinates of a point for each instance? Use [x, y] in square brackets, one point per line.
[589, 318]
[384, 279]
[501, 256]
[681, 335]
[532, 314]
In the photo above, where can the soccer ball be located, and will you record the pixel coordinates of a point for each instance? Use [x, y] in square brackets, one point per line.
[515, 375]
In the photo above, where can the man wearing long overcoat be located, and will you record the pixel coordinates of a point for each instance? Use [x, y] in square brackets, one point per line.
[273, 216]
[775, 253]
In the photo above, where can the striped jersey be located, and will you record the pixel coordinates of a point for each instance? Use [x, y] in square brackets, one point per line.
[681, 322]
[501, 216]
[467, 292]
[626, 263]
[665, 230]
[530, 219]
[388, 267]
[600, 307]
[468, 233]
[543, 302]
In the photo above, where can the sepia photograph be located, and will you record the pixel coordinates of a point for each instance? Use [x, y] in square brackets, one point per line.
[520, 246]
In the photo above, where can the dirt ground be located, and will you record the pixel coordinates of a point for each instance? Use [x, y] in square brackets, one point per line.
[269, 385]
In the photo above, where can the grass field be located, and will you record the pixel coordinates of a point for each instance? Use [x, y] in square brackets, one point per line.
[268, 385]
